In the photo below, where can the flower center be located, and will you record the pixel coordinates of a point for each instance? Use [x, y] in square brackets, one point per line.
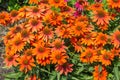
[78, 28]
[58, 57]
[103, 38]
[57, 1]
[58, 45]
[46, 31]
[2, 16]
[34, 22]
[25, 62]
[78, 43]
[35, 10]
[106, 57]
[17, 29]
[100, 14]
[89, 55]
[115, 1]
[14, 13]
[17, 42]
[25, 34]
[41, 49]
[10, 58]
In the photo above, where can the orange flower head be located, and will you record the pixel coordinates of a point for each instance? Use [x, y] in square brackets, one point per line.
[34, 25]
[114, 3]
[4, 18]
[14, 15]
[7, 38]
[17, 43]
[96, 6]
[64, 68]
[89, 56]
[29, 52]
[10, 59]
[58, 45]
[101, 39]
[101, 17]
[26, 63]
[46, 33]
[58, 57]
[106, 57]
[41, 51]
[100, 75]
[78, 45]
[116, 39]
[56, 3]
[79, 28]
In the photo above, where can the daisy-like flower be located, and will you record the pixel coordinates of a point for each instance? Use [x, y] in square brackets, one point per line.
[64, 31]
[56, 3]
[26, 63]
[43, 62]
[14, 30]
[46, 33]
[34, 25]
[10, 59]
[23, 11]
[34, 12]
[79, 28]
[116, 38]
[101, 39]
[114, 3]
[64, 68]
[106, 57]
[100, 75]
[96, 6]
[89, 38]
[7, 38]
[101, 17]
[14, 15]
[58, 45]
[41, 51]
[58, 57]
[89, 56]
[4, 18]
[33, 1]
[26, 35]
[17, 43]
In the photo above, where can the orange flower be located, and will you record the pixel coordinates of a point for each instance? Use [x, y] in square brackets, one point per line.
[26, 35]
[58, 45]
[88, 38]
[64, 31]
[43, 62]
[29, 52]
[116, 38]
[10, 59]
[103, 27]
[41, 51]
[23, 11]
[101, 17]
[64, 68]
[101, 39]
[46, 33]
[34, 25]
[79, 28]
[14, 15]
[56, 3]
[26, 63]
[100, 74]
[34, 12]
[17, 43]
[14, 30]
[33, 1]
[4, 18]
[96, 6]
[89, 56]
[58, 57]
[106, 57]
[114, 3]
[7, 38]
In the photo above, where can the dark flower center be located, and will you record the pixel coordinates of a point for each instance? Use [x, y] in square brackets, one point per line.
[58, 45]
[34, 22]
[35, 10]
[14, 13]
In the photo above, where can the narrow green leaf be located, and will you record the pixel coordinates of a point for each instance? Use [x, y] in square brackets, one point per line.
[116, 73]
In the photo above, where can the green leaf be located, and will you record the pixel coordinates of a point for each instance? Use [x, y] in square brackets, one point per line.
[53, 76]
[13, 75]
[116, 73]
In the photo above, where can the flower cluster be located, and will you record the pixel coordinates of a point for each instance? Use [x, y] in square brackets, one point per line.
[45, 35]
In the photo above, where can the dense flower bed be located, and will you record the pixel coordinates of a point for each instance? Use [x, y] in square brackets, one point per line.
[63, 40]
